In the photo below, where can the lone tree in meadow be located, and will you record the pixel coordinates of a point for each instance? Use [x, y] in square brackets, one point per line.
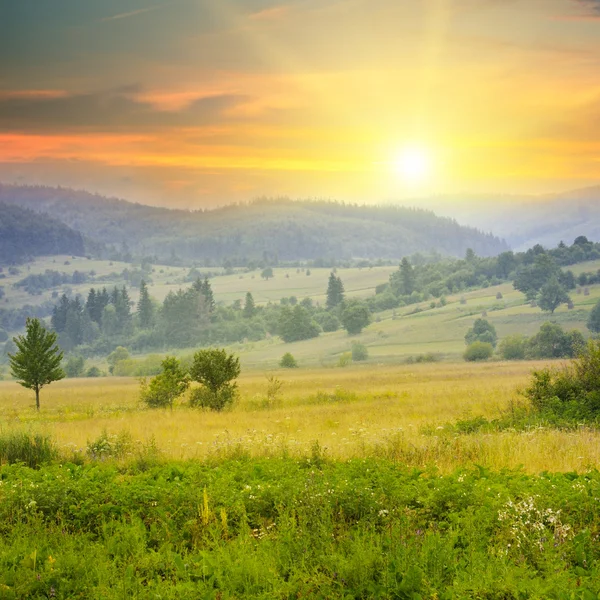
[216, 371]
[355, 317]
[167, 386]
[37, 360]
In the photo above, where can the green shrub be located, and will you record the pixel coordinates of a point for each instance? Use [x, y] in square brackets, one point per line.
[513, 347]
[359, 351]
[112, 445]
[478, 351]
[202, 397]
[571, 392]
[482, 331]
[28, 448]
[345, 359]
[75, 366]
[288, 361]
[93, 372]
[167, 386]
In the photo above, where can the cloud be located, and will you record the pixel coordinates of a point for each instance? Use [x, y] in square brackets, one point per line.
[133, 13]
[594, 5]
[118, 109]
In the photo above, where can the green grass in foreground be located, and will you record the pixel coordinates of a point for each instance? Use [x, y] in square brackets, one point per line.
[295, 528]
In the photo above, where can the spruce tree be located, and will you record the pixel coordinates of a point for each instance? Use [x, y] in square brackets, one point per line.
[407, 277]
[207, 292]
[335, 291]
[37, 360]
[249, 306]
[145, 309]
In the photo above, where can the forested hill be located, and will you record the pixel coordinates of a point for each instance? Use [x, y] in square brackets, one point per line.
[25, 233]
[291, 230]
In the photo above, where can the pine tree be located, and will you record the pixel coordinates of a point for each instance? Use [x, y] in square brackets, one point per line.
[249, 306]
[145, 309]
[37, 360]
[335, 291]
[207, 292]
[59, 314]
[407, 278]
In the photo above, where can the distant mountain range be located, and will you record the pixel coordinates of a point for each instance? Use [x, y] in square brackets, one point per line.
[524, 221]
[290, 230]
[24, 234]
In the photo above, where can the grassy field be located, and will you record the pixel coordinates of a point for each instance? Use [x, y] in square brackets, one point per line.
[358, 282]
[352, 412]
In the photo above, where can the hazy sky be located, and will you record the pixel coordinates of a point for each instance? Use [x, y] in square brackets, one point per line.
[200, 102]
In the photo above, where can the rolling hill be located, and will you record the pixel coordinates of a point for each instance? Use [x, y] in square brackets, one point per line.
[25, 234]
[288, 230]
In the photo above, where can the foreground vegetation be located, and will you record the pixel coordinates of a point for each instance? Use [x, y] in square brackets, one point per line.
[414, 481]
[293, 528]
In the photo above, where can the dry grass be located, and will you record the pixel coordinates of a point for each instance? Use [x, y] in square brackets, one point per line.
[353, 412]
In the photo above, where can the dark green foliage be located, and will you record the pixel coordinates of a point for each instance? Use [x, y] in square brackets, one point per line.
[216, 370]
[478, 351]
[532, 278]
[359, 352]
[513, 347]
[185, 317]
[288, 361]
[249, 306]
[571, 392]
[93, 372]
[593, 323]
[24, 234]
[145, 308]
[36, 362]
[30, 449]
[267, 273]
[35, 284]
[355, 316]
[205, 289]
[296, 324]
[117, 355]
[552, 295]
[403, 282]
[75, 366]
[171, 383]
[335, 291]
[552, 341]
[482, 331]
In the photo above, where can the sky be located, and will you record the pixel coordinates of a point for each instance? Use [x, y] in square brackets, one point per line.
[198, 103]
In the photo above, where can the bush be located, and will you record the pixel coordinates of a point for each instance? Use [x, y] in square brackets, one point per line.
[552, 341]
[288, 361]
[513, 347]
[478, 351]
[93, 372]
[75, 366]
[202, 397]
[572, 392]
[167, 386]
[345, 359]
[359, 351]
[482, 331]
[355, 317]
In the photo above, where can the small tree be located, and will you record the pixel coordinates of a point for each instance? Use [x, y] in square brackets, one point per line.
[513, 347]
[167, 386]
[37, 360]
[288, 361]
[482, 331]
[118, 354]
[593, 323]
[249, 306]
[215, 370]
[267, 273]
[359, 352]
[355, 317]
[75, 366]
[478, 351]
[145, 308]
[552, 295]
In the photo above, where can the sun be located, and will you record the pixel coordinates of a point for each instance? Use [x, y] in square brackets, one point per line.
[413, 165]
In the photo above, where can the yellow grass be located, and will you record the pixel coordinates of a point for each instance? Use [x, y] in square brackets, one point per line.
[352, 412]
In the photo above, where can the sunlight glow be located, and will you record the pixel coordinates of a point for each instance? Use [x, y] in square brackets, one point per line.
[413, 165]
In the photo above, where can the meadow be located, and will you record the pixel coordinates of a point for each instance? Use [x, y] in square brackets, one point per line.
[318, 483]
[396, 412]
